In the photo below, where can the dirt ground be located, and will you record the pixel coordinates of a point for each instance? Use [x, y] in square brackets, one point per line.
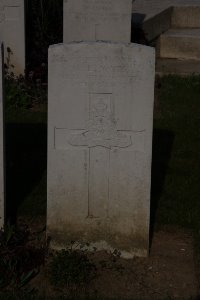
[170, 272]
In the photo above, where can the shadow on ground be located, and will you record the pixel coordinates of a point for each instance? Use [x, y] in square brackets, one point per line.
[26, 161]
[162, 148]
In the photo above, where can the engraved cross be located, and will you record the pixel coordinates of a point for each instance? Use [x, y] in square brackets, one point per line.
[99, 138]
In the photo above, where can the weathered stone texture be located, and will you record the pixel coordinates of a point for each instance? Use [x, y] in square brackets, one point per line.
[93, 20]
[99, 144]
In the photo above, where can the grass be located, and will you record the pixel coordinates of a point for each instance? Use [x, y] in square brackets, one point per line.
[176, 154]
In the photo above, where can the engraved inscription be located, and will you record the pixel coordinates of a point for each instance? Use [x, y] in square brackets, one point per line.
[101, 130]
[98, 6]
[91, 10]
[97, 20]
[99, 68]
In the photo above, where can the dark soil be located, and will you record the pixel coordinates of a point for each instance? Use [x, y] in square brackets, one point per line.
[168, 272]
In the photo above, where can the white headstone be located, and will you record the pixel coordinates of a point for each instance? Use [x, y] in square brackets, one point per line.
[12, 32]
[92, 20]
[1, 144]
[99, 145]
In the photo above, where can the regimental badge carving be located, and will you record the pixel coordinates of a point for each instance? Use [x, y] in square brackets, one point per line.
[101, 129]
[2, 12]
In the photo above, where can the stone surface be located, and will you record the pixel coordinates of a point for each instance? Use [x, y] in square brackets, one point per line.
[12, 32]
[99, 145]
[180, 43]
[158, 24]
[183, 67]
[186, 17]
[156, 14]
[1, 145]
[150, 8]
[92, 20]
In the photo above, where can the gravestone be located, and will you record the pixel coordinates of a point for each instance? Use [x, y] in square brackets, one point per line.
[92, 20]
[1, 145]
[12, 32]
[99, 145]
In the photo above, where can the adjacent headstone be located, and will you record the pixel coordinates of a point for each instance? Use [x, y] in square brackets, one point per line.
[93, 20]
[2, 208]
[12, 32]
[99, 145]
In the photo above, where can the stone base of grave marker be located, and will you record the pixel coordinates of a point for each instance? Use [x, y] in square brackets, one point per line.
[99, 145]
[1, 143]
